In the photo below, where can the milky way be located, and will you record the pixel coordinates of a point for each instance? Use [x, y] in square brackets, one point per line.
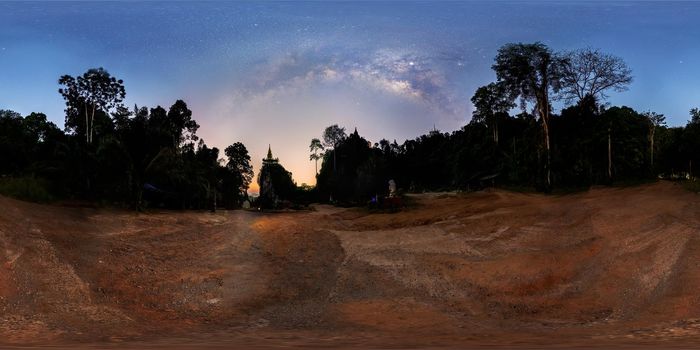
[278, 73]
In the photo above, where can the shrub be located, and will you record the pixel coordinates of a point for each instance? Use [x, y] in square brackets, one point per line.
[692, 185]
[26, 188]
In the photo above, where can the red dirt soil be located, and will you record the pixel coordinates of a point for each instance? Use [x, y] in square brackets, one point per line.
[607, 268]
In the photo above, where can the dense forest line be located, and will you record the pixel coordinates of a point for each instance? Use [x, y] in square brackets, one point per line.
[113, 154]
[587, 143]
[589, 146]
[153, 157]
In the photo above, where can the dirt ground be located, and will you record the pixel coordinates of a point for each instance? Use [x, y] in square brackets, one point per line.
[611, 267]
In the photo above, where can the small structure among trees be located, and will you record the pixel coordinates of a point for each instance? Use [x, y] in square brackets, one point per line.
[276, 184]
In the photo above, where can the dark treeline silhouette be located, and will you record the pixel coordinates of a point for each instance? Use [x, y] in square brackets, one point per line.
[110, 153]
[588, 146]
[587, 143]
[153, 157]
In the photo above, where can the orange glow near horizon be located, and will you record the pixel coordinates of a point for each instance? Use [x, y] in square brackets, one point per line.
[254, 189]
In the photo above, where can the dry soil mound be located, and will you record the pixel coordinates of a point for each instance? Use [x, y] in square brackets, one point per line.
[608, 266]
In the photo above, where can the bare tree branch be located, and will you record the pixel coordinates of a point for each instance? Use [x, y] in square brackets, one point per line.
[591, 72]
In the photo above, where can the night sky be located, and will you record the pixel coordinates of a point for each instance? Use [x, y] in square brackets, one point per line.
[279, 73]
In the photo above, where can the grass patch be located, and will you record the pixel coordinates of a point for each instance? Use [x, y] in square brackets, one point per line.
[634, 182]
[556, 190]
[25, 188]
[570, 190]
[519, 188]
[692, 185]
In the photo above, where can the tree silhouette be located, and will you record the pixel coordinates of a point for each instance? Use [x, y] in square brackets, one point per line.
[358, 172]
[95, 91]
[490, 102]
[180, 123]
[153, 156]
[589, 72]
[314, 148]
[332, 137]
[691, 141]
[655, 120]
[531, 72]
[239, 164]
[694, 116]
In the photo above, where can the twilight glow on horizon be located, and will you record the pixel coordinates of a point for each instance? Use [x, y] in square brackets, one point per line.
[278, 73]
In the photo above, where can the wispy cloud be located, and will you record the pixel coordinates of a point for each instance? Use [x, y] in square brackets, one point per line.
[289, 99]
[415, 78]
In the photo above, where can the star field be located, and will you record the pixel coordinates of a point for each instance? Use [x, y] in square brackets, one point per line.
[278, 73]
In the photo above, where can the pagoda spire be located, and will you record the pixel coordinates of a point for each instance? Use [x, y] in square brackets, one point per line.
[269, 159]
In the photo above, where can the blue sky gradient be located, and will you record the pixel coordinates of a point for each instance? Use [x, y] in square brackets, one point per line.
[278, 73]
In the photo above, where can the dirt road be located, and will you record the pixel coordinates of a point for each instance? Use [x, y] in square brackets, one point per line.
[609, 267]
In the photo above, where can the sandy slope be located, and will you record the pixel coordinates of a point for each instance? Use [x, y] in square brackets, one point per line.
[607, 267]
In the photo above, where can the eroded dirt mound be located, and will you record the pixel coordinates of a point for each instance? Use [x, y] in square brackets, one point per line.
[607, 266]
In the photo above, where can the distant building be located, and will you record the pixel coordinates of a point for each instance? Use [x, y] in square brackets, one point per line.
[275, 182]
[269, 159]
